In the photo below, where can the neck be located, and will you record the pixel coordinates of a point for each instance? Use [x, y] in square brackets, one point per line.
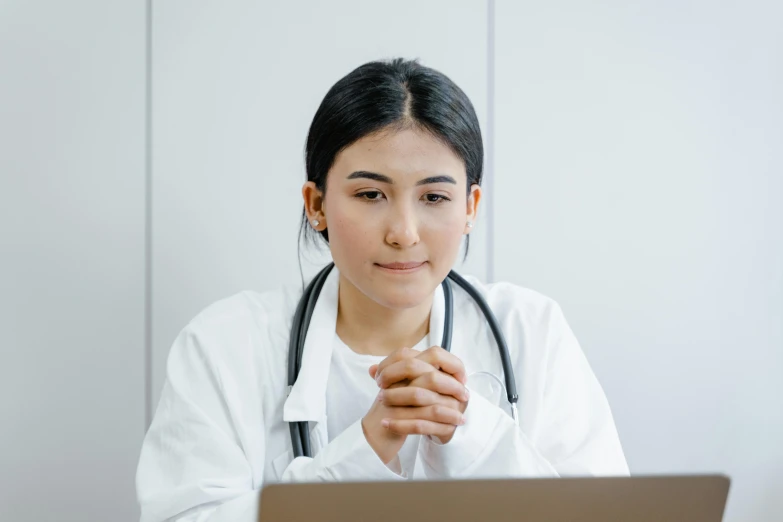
[370, 328]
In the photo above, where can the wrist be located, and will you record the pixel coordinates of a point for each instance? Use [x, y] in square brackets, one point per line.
[380, 441]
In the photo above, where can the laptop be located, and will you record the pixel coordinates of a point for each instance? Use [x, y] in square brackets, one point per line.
[627, 499]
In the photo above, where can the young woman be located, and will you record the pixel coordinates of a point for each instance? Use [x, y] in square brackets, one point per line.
[394, 165]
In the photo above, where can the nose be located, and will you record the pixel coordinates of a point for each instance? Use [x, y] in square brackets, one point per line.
[402, 230]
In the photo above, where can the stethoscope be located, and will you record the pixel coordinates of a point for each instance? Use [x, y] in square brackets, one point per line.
[304, 311]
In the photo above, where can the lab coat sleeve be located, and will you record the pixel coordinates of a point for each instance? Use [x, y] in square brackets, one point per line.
[573, 433]
[347, 457]
[192, 466]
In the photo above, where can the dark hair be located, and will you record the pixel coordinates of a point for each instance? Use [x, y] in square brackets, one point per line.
[391, 95]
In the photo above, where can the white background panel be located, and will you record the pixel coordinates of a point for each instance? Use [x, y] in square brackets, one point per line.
[235, 87]
[71, 259]
[638, 166]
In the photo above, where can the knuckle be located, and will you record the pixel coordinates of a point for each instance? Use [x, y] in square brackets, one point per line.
[435, 353]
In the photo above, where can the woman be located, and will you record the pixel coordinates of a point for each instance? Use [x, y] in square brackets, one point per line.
[394, 164]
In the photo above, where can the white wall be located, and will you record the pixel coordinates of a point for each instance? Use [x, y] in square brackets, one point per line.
[71, 259]
[640, 160]
[637, 179]
[236, 85]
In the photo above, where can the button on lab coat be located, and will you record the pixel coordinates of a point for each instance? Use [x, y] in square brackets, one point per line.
[220, 430]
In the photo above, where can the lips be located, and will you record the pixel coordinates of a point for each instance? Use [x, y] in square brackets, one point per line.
[402, 266]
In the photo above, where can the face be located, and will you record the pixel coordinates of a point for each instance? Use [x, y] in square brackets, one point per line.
[396, 207]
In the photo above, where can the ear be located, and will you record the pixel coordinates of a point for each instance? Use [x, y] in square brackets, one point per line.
[474, 198]
[314, 206]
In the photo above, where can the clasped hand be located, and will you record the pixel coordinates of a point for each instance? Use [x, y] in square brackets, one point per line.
[420, 393]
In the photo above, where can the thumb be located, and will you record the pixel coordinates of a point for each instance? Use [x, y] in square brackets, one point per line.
[373, 370]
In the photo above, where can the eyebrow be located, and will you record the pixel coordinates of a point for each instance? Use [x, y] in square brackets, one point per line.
[382, 178]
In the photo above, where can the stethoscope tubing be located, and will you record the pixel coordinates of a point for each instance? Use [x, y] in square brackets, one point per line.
[301, 322]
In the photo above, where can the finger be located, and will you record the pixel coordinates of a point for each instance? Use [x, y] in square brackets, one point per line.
[410, 369]
[445, 361]
[443, 384]
[433, 413]
[374, 372]
[396, 356]
[418, 427]
[416, 396]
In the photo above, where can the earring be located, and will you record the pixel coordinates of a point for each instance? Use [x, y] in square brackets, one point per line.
[315, 222]
[470, 224]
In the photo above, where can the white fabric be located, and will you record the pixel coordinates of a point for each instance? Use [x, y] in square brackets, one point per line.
[350, 391]
[220, 431]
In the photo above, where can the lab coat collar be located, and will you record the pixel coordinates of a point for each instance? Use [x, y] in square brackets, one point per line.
[307, 399]
[436, 317]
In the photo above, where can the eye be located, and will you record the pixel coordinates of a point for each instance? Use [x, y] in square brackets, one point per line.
[370, 195]
[435, 199]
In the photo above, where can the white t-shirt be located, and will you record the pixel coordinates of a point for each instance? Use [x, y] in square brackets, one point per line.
[350, 392]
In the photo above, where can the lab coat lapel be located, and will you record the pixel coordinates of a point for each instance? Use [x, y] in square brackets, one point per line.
[307, 400]
[438, 320]
[437, 316]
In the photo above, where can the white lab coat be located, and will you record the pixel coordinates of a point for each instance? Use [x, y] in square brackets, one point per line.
[220, 431]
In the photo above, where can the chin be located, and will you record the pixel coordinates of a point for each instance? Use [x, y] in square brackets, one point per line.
[399, 299]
